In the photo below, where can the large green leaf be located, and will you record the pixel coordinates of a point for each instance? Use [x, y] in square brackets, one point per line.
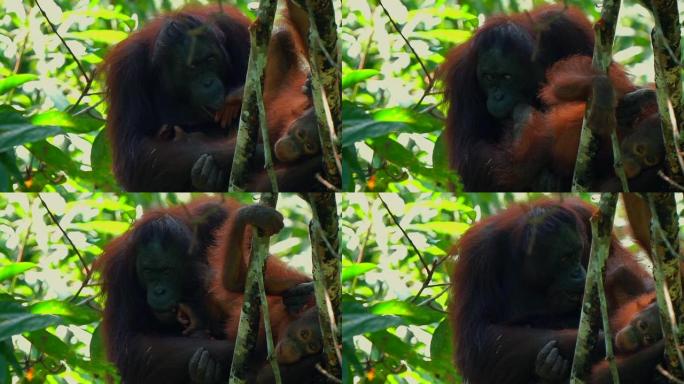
[15, 269]
[54, 157]
[363, 125]
[75, 124]
[450, 36]
[441, 347]
[8, 169]
[358, 269]
[413, 314]
[25, 322]
[354, 77]
[14, 81]
[16, 130]
[358, 324]
[110, 227]
[101, 154]
[442, 227]
[106, 36]
[75, 314]
[48, 343]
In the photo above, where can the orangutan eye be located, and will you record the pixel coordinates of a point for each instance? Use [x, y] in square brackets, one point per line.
[639, 149]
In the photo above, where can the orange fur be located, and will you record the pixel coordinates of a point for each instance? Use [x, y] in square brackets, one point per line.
[626, 312]
[571, 79]
[231, 254]
[286, 76]
[569, 86]
[564, 123]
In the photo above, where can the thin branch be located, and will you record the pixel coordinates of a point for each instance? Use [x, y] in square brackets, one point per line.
[254, 298]
[428, 278]
[326, 183]
[396, 222]
[583, 177]
[325, 90]
[89, 83]
[71, 243]
[251, 114]
[327, 374]
[54, 30]
[398, 29]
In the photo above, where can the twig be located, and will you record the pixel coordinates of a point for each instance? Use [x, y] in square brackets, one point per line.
[667, 374]
[327, 129]
[426, 92]
[326, 183]
[428, 278]
[413, 51]
[396, 222]
[71, 243]
[54, 30]
[670, 181]
[327, 374]
[437, 296]
[89, 83]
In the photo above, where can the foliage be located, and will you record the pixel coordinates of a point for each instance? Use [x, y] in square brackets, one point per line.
[392, 108]
[395, 327]
[51, 103]
[50, 307]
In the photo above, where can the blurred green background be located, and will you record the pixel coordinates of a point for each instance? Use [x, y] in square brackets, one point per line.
[392, 126]
[48, 332]
[396, 285]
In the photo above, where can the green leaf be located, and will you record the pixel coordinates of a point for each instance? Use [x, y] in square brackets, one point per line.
[16, 130]
[12, 135]
[359, 130]
[393, 345]
[74, 314]
[26, 322]
[396, 153]
[358, 269]
[109, 227]
[15, 269]
[449, 36]
[7, 359]
[48, 343]
[97, 346]
[9, 306]
[360, 125]
[413, 314]
[358, 324]
[444, 13]
[106, 36]
[441, 346]
[14, 81]
[9, 169]
[100, 154]
[442, 227]
[440, 158]
[54, 157]
[349, 360]
[356, 76]
[104, 14]
[74, 124]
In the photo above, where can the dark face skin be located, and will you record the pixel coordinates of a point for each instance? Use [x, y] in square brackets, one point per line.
[643, 330]
[303, 338]
[505, 81]
[555, 265]
[191, 73]
[644, 147]
[162, 271]
[300, 140]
